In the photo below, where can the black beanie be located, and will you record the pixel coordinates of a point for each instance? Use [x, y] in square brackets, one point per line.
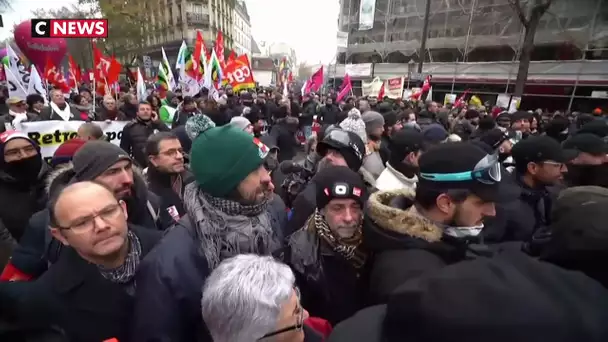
[339, 182]
[390, 118]
[94, 158]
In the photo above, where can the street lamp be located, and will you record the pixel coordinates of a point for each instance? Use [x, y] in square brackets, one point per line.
[410, 70]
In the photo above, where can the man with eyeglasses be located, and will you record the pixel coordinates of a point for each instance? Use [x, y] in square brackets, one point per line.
[22, 175]
[413, 232]
[88, 293]
[540, 164]
[166, 173]
[253, 298]
[17, 113]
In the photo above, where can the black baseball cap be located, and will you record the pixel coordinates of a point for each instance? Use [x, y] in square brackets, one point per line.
[587, 143]
[494, 137]
[598, 127]
[405, 141]
[457, 157]
[539, 149]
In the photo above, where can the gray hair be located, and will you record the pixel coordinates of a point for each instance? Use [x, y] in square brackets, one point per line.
[243, 296]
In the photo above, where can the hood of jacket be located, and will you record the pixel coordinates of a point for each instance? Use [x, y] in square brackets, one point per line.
[390, 223]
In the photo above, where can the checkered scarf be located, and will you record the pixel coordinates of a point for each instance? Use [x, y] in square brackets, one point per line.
[227, 228]
[125, 272]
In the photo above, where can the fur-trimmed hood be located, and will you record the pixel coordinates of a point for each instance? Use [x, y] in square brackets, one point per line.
[390, 222]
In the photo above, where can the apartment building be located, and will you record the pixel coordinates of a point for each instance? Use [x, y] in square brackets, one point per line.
[178, 20]
[241, 30]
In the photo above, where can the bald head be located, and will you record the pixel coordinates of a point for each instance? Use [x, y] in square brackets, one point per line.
[80, 194]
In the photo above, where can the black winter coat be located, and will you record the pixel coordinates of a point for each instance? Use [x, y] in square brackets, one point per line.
[134, 137]
[404, 245]
[284, 132]
[331, 287]
[74, 296]
[160, 184]
[170, 280]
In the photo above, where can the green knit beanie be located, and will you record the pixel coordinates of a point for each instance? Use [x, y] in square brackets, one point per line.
[222, 157]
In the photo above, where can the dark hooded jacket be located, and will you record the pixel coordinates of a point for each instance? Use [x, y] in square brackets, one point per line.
[405, 245]
[331, 287]
[134, 137]
[284, 132]
[18, 202]
[38, 249]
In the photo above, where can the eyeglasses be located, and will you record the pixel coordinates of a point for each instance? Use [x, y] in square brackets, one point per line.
[299, 323]
[486, 171]
[87, 223]
[172, 152]
[556, 164]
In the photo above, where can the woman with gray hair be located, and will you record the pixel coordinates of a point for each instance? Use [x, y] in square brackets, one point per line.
[250, 298]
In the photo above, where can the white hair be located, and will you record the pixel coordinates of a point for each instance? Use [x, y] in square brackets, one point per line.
[243, 296]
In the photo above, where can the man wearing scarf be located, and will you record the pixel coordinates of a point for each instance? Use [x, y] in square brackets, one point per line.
[17, 113]
[88, 293]
[230, 209]
[22, 174]
[59, 109]
[326, 254]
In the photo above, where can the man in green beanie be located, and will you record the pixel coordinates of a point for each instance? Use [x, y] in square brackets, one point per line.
[230, 209]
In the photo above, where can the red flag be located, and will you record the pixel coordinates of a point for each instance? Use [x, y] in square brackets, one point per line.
[460, 100]
[113, 71]
[196, 55]
[345, 88]
[219, 47]
[381, 92]
[290, 77]
[315, 82]
[425, 87]
[75, 76]
[54, 77]
[232, 57]
[101, 64]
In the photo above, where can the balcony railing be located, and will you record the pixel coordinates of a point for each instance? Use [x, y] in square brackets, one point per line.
[197, 18]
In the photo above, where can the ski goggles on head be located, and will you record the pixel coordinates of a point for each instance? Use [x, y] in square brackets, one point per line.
[341, 137]
[486, 171]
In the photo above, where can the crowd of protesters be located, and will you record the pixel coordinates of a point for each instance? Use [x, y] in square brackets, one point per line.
[263, 217]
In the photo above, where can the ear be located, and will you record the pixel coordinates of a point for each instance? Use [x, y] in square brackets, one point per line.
[123, 205]
[532, 168]
[151, 160]
[56, 233]
[444, 203]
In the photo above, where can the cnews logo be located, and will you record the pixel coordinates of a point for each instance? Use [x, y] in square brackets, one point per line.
[69, 28]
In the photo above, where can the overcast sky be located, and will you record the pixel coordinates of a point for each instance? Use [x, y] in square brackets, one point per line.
[309, 26]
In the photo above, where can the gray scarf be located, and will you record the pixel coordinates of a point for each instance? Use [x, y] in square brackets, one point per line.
[125, 272]
[226, 228]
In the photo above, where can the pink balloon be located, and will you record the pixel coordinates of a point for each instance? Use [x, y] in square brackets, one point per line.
[2, 53]
[38, 49]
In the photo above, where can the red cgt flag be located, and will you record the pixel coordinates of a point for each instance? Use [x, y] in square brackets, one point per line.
[75, 75]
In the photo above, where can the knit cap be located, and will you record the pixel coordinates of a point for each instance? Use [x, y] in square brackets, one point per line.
[240, 122]
[94, 158]
[222, 157]
[66, 151]
[373, 120]
[339, 182]
[354, 123]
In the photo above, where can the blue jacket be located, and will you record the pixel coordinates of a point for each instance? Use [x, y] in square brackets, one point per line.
[170, 281]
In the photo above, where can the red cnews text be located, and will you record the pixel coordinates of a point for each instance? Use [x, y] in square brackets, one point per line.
[70, 28]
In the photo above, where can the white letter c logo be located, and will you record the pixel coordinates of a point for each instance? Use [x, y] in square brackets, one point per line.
[37, 27]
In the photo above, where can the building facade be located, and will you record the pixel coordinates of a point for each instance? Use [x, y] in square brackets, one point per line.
[469, 31]
[241, 30]
[180, 20]
[475, 45]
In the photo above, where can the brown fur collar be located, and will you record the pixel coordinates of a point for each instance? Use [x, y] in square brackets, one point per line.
[399, 220]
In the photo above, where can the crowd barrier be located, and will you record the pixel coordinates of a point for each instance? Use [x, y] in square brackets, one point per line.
[50, 134]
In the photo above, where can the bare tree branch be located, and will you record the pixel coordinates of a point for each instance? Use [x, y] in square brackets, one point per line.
[517, 8]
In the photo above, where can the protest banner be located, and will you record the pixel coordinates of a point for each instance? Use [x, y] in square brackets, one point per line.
[50, 134]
